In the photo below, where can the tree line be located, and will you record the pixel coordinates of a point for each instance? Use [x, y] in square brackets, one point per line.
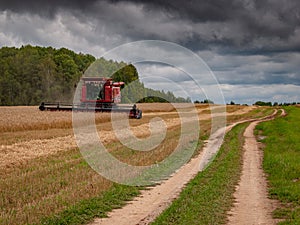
[32, 74]
[261, 103]
[134, 90]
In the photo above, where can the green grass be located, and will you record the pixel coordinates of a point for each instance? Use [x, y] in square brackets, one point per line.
[209, 196]
[86, 210]
[282, 163]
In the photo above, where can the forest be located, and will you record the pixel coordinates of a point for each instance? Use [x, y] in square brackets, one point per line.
[32, 74]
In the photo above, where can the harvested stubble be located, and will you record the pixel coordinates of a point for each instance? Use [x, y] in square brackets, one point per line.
[24, 118]
[46, 186]
[53, 180]
[251, 112]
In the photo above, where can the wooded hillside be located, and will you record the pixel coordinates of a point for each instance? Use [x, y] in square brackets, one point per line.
[30, 75]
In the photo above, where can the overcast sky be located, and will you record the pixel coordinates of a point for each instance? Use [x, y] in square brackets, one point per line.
[252, 47]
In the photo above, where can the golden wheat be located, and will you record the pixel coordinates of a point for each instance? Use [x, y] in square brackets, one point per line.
[42, 171]
[46, 186]
[23, 118]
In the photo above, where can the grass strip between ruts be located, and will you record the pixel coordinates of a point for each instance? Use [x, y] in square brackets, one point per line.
[207, 198]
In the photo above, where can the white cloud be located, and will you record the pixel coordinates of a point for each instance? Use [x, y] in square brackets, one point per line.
[249, 94]
[64, 30]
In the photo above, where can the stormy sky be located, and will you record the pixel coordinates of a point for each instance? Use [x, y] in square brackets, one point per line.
[252, 47]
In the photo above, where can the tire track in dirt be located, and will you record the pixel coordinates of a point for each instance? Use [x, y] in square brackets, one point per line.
[252, 205]
[146, 207]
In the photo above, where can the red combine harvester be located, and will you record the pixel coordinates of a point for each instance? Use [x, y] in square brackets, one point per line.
[99, 95]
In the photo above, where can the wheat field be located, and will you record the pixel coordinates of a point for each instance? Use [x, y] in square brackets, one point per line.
[42, 171]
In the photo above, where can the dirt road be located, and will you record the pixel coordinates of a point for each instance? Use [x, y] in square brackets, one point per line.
[252, 204]
[145, 208]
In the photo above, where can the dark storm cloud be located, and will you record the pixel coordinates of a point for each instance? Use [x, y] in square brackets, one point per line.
[241, 25]
[197, 11]
[244, 42]
[44, 8]
[279, 68]
[194, 10]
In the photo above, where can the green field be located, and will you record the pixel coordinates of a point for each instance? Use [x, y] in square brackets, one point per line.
[282, 163]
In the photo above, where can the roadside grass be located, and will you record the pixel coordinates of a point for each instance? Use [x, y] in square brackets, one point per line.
[281, 145]
[207, 198]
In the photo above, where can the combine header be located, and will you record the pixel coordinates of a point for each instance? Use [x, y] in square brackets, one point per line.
[99, 95]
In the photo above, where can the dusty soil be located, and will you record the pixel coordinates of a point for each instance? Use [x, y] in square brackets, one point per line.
[252, 205]
[146, 207]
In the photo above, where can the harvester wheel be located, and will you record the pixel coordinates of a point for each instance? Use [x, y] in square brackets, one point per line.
[42, 106]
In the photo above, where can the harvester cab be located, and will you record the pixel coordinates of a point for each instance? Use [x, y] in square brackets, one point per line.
[100, 91]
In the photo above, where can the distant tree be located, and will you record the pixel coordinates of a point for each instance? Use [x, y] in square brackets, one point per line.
[207, 101]
[127, 74]
[232, 103]
[261, 103]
